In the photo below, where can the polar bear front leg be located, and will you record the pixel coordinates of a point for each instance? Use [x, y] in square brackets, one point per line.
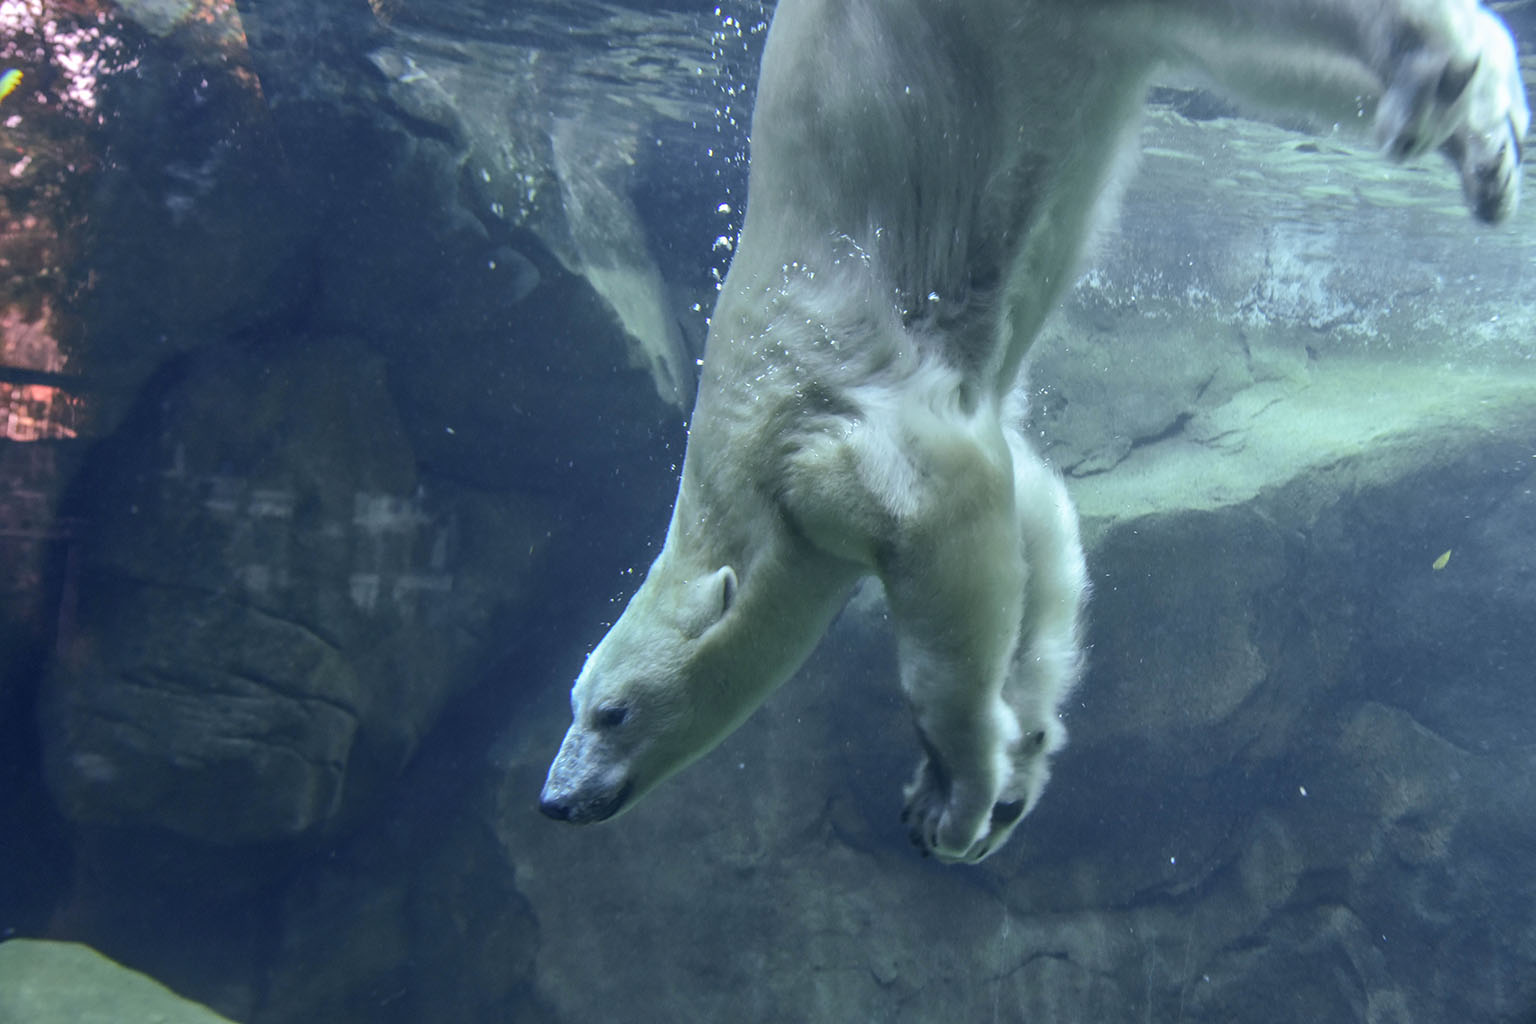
[956, 588]
[1443, 74]
[1456, 87]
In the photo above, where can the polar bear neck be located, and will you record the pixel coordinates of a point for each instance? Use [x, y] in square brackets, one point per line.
[787, 594]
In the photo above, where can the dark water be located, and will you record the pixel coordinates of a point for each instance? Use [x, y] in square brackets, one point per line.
[347, 352]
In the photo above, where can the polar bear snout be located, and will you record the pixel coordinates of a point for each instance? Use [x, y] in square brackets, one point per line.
[552, 807]
[579, 789]
[583, 810]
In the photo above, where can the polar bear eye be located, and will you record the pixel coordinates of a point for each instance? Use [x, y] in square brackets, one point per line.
[611, 717]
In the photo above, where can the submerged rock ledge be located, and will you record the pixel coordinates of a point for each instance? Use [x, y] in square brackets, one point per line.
[68, 983]
[1351, 424]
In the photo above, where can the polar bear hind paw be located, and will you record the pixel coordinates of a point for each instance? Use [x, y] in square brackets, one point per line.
[935, 827]
[949, 830]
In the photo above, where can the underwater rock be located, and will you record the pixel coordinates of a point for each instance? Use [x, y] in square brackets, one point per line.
[195, 228]
[66, 983]
[159, 17]
[1174, 318]
[417, 94]
[1258, 569]
[521, 274]
[407, 925]
[207, 717]
[262, 596]
[565, 178]
[614, 255]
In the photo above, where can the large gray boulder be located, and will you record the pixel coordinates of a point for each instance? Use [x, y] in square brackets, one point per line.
[269, 609]
[67, 983]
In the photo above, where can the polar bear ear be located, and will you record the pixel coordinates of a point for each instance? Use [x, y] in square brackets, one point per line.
[722, 589]
[709, 598]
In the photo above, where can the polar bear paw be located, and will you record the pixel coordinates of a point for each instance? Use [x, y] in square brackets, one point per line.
[1464, 97]
[954, 822]
[944, 820]
[959, 822]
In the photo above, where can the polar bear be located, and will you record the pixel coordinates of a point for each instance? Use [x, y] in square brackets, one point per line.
[924, 174]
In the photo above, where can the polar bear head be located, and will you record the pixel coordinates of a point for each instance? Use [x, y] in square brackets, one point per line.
[652, 697]
[733, 604]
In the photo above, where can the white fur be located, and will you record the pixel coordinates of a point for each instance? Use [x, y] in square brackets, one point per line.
[924, 175]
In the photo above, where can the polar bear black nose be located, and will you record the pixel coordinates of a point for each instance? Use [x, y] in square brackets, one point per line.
[554, 809]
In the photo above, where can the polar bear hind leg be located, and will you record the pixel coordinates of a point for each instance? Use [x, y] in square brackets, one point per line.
[954, 576]
[987, 614]
[1049, 657]
[994, 782]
